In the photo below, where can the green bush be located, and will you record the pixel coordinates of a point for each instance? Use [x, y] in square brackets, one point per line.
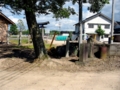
[100, 31]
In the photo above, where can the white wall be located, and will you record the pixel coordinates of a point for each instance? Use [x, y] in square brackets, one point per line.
[97, 21]
[76, 28]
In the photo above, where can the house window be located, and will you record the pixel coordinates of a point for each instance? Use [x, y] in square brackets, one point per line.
[91, 26]
[107, 26]
[106, 36]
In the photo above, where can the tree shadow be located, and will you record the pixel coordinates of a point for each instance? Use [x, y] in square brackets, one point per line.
[74, 60]
[9, 51]
[57, 52]
[97, 53]
[60, 51]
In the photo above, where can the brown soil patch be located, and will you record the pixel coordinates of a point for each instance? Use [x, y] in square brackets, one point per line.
[19, 71]
[15, 59]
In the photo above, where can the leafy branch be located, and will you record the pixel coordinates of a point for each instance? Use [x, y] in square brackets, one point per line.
[100, 31]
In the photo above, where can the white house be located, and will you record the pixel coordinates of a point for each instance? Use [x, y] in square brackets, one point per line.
[90, 25]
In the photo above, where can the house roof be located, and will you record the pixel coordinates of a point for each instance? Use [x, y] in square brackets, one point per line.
[96, 15]
[44, 23]
[117, 27]
[41, 24]
[6, 18]
[118, 23]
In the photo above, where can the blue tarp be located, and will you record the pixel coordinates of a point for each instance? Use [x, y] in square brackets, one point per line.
[61, 38]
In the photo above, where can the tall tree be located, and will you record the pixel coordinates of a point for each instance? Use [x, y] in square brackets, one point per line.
[95, 5]
[25, 32]
[33, 7]
[13, 30]
[21, 27]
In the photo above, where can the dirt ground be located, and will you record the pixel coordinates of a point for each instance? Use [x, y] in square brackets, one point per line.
[18, 71]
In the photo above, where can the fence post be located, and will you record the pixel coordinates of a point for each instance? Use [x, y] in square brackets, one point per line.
[8, 38]
[67, 47]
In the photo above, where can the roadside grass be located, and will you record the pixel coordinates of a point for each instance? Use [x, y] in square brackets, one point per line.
[15, 41]
[26, 45]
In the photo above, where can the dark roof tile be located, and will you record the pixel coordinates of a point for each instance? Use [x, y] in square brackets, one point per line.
[5, 17]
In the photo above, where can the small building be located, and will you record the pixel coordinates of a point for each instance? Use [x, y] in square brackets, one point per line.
[90, 25]
[42, 26]
[4, 23]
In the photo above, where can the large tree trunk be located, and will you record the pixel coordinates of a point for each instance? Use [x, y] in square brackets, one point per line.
[36, 35]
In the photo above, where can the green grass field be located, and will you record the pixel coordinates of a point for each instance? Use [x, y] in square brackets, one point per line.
[25, 44]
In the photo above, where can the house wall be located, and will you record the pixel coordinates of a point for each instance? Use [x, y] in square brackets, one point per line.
[97, 21]
[3, 29]
[77, 26]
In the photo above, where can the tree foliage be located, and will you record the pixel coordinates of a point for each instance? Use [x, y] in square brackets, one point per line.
[13, 30]
[39, 6]
[20, 25]
[25, 32]
[100, 31]
[52, 32]
[95, 5]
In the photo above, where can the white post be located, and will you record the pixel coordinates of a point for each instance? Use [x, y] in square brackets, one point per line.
[112, 24]
[20, 36]
[67, 47]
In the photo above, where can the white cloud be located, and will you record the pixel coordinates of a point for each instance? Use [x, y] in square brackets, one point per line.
[107, 10]
[67, 24]
[87, 14]
[86, 4]
[15, 20]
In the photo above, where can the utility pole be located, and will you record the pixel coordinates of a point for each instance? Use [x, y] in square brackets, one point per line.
[59, 26]
[80, 20]
[80, 28]
[112, 24]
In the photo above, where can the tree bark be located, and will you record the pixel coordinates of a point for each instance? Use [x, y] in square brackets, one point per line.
[36, 35]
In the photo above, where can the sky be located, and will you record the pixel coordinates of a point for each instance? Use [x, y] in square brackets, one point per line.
[66, 24]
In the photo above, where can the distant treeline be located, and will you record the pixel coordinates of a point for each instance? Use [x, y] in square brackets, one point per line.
[54, 31]
[25, 32]
[60, 32]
